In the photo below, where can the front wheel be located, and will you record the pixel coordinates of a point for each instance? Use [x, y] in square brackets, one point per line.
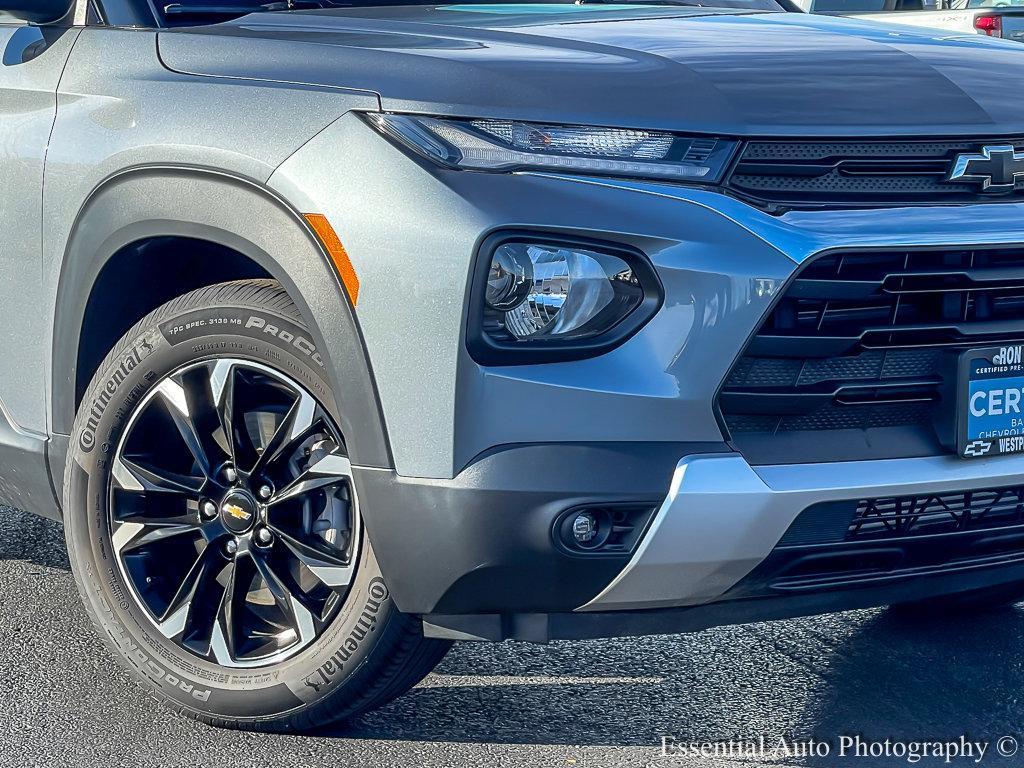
[214, 528]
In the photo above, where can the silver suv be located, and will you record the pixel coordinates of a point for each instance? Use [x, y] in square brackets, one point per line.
[336, 334]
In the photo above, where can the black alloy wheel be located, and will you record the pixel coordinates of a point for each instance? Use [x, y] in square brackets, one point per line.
[232, 512]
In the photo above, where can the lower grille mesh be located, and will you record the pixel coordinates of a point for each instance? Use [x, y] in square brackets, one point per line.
[875, 542]
[902, 517]
[867, 340]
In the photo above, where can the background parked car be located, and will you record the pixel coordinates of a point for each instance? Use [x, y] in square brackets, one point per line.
[995, 18]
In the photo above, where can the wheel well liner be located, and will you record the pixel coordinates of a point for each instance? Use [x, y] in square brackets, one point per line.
[141, 277]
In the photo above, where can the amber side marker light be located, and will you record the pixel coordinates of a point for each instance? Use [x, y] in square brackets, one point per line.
[332, 244]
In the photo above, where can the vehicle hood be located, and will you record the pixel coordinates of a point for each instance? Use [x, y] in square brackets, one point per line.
[671, 67]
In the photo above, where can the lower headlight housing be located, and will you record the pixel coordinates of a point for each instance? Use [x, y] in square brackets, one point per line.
[539, 300]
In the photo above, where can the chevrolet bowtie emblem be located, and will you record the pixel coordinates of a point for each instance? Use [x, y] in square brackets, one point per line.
[997, 168]
[237, 512]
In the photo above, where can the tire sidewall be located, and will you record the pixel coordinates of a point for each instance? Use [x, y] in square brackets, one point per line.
[154, 350]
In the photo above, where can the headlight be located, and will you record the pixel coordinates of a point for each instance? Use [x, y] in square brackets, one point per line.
[537, 300]
[506, 145]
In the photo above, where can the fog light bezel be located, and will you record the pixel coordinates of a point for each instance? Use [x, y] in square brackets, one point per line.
[485, 349]
[611, 541]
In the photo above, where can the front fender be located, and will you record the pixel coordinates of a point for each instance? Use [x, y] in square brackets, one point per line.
[237, 213]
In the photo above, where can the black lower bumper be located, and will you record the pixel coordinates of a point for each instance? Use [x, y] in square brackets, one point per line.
[484, 542]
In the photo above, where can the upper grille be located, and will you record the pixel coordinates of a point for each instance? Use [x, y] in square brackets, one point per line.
[789, 174]
[868, 340]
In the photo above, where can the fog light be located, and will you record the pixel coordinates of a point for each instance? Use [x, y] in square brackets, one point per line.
[606, 530]
[584, 528]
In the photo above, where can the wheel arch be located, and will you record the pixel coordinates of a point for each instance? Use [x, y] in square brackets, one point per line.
[238, 216]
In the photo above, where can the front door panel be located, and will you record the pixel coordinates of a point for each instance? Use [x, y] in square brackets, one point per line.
[31, 62]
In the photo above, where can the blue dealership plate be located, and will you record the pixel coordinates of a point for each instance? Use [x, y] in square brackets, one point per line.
[991, 414]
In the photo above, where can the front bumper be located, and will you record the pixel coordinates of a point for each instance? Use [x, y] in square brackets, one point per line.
[476, 555]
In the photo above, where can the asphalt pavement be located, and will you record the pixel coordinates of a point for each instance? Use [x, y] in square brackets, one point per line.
[872, 674]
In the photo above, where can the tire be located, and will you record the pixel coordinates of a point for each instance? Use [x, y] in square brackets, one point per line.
[964, 603]
[291, 648]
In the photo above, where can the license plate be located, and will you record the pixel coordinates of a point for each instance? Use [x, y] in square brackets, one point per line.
[991, 417]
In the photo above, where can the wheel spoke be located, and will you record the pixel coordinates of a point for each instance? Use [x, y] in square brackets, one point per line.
[132, 535]
[293, 609]
[132, 476]
[219, 645]
[180, 411]
[174, 624]
[187, 589]
[332, 569]
[184, 520]
[295, 427]
[204, 600]
[281, 593]
[332, 469]
[222, 393]
[228, 618]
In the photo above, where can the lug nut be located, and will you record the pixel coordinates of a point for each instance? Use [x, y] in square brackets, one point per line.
[264, 538]
[208, 509]
[230, 474]
[265, 492]
[231, 547]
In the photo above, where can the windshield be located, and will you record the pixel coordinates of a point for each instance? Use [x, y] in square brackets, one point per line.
[189, 11]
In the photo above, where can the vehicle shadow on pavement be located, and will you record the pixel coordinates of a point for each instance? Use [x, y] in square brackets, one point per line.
[932, 678]
[33, 539]
[873, 673]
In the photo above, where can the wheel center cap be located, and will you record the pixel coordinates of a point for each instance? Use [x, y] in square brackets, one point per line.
[238, 511]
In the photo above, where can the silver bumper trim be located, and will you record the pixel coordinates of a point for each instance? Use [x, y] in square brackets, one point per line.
[722, 517]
